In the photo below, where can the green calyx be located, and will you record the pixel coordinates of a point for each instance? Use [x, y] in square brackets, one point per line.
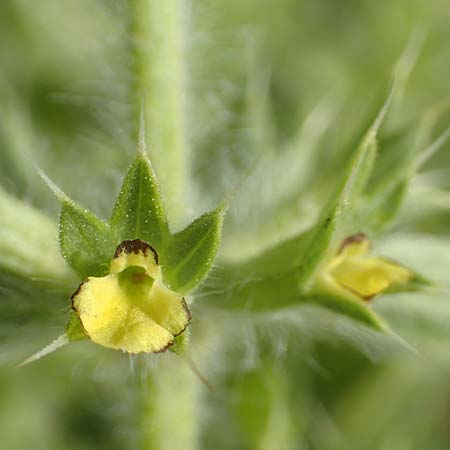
[95, 250]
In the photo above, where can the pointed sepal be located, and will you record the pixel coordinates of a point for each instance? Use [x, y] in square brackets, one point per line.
[181, 342]
[86, 241]
[138, 213]
[59, 342]
[190, 253]
[74, 329]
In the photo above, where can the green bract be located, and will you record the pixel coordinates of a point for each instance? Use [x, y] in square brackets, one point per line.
[339, 219]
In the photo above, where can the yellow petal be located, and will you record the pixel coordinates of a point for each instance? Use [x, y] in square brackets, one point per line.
[129, 309]
[369, 276]
[167, 309]
[352, 270]
[354, 246]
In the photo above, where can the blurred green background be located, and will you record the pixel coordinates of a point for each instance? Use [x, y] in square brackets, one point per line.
[306, 383]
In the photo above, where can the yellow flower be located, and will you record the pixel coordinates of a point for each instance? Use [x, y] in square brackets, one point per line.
[353, 271]
[130, 309]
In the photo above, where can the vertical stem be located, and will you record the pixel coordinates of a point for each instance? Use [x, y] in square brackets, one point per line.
[159, 32]
[170, 414]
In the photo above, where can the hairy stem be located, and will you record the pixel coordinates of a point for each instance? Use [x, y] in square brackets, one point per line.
[169, 414]
[159, 32]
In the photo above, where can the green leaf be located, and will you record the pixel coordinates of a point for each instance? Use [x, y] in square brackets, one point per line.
[281, 258]
[138, 213]
[391, 176]
[396, 154]
[190, 253]
[86, 241]
[380, 211]
[339, 220]
[29, 301]
[257, 295]
[28, 244]
[400, 157]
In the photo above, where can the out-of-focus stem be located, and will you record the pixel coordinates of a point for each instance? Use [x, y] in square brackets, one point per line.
[159, 33]
[169, 414]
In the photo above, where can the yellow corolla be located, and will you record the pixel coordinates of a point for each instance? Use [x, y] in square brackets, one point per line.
[130, 309]
[353, 270]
